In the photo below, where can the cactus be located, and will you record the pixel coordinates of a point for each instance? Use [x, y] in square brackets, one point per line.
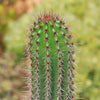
[51, 62]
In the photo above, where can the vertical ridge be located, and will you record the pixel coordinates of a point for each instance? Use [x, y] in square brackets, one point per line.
[70, 90]
[48, 68]
[53, 57]
[60, 68]
[37, 72]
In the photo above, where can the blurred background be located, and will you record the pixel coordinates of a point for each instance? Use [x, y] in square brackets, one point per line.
[84, 18]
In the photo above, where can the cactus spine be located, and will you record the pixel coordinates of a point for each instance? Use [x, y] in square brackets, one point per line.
[50, 52]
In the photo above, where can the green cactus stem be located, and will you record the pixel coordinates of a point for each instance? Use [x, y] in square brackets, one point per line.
[50, 52]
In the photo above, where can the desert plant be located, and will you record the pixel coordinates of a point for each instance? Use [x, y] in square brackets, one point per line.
[50, 55]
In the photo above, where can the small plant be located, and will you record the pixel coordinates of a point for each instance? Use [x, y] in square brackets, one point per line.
[50, 56]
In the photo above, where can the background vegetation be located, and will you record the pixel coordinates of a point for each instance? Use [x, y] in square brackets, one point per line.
[84, 18]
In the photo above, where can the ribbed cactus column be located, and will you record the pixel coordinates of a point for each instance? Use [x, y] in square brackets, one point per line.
[51, 55]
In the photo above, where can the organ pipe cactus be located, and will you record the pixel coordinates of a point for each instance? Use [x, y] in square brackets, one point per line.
[50, 55]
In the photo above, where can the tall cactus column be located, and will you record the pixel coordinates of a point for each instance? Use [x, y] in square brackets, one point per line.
[50, 51]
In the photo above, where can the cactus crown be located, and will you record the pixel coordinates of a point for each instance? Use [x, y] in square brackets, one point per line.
[50, 52]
